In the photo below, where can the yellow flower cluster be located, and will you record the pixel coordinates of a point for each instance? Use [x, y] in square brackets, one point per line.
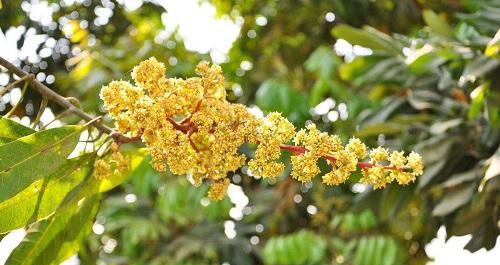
[384, 168]
[191, 129]
[272, 132]
[111, 165]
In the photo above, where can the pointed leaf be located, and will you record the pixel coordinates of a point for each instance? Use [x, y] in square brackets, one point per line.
[43, 196]
[54, 240]
[11, 130]
[33, 157]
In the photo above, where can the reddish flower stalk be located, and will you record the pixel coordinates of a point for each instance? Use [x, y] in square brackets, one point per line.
[298, 150]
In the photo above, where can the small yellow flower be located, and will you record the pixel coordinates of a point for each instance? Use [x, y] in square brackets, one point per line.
[415, 163]
[102, 169]
[378, 155]
[218, 190]
[397, 159]
[357, 147]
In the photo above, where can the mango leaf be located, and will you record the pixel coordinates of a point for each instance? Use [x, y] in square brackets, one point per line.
[180, 202]
[453, 200]
[33, 157]
[377, 250]
[42, 197]
[437, 24]
[493, 169]
[493, 48]
[367, 37]
[11, 130]
[302, 247]
[322, 61]
[387, 128]
[54, 240]
[135, 158]
[277, 96]
[476, 105]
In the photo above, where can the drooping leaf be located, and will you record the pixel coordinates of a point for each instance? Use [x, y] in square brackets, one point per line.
[453, 199]
[437, 23]
[54, 240]
[11, 130]
[33, 157]
[493, 48]
[42, 197]
[367, 37]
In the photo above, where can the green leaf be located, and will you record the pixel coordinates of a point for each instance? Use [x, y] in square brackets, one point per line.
[437, 24]
[453, 200]
[302, 247]
[54, 240]
[367, 37]
[43, 196]
[11, 130]
[274, 95]
[493, 48]
[322, 61]
[93, 185]
[33, 157]
[477, 102]
[387, 128]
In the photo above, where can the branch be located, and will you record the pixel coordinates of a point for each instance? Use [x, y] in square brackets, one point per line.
[63, 101]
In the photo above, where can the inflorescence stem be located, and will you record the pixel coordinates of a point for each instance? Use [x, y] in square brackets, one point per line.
[297, 150]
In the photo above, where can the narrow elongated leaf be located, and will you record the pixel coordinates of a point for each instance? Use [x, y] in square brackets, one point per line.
[43, 196]
[53, 240]
[453, 200]
[367, 38]
[11, 130]
[33, 157]
[437, 23]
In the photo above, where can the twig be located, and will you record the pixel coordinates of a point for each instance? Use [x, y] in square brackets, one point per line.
[51, 95]
[63, 102]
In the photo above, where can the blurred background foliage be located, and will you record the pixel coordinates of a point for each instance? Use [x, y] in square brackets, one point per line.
[409, 74]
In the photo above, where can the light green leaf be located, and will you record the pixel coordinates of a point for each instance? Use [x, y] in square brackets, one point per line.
[493, 48]
[476, 105]
[437, 24]
[322, 61]
[277, 96]
[387, 128]
[33, 157]
[302, 247]
[54, 240]
[11, 130]
[42, 197]
[367, 37]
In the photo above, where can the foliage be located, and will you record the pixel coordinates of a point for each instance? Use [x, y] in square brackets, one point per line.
[430, 83]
